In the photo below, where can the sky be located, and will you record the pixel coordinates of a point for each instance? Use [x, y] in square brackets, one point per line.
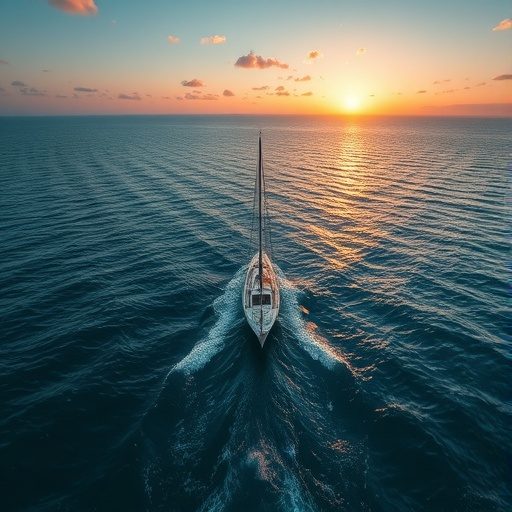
[402, 57]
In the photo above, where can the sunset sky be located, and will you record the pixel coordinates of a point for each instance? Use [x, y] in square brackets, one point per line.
[436, 57]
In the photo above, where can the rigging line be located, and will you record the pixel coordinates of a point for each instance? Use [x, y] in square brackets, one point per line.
[250, 248]
[268, 225]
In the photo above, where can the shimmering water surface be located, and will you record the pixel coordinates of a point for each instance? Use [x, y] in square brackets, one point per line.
[129, 379]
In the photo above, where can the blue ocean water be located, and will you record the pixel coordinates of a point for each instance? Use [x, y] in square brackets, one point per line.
[129, 379]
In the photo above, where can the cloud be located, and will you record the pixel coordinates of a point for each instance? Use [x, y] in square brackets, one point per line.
[17, 83]
[193, 83]
[81, 7]
[213, 40]
[281, 91]
[227, 92]
[307, 94]
[313, 56]
[503, 25]
[303, 79]
[85, 89]
[262, 88]
[174, 39]
[252, 61]
[190, 96]
[503, 77]
[32, 91]
[134, 96]
[2, 61]
[421, 92]
[361, 51]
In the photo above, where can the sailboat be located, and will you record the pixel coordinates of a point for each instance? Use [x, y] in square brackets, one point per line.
[261, 289]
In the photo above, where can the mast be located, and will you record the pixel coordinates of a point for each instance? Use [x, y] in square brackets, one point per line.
[260, 237]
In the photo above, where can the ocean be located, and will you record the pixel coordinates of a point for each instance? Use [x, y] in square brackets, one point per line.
[129, 378]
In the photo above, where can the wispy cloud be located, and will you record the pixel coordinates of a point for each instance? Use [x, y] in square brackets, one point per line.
[503, 77]
[253, 61]
[81, 7]
[421, 92]
[228, 93]
[213, 40]
[307, 94]
[85, 89]
[361, 51]
[193, 83]
[31, 91]
[313, 56]
[134, 96]
[18, 83]
[174, 39]
[281, 91]
[303, 79]
[2, 61]
[196, 96]
[262, 88]
[504, 25]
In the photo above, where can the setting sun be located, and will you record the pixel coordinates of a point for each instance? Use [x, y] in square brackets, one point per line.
[351, 104]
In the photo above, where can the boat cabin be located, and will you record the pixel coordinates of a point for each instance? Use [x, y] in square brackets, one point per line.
[265, 299]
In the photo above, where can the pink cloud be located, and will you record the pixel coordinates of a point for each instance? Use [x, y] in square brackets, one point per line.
[504, 25]
[134, 96]
[422, 92]
[189, 96]
[174, 39]
[227, 92]
[262, 88]
[81, 7]
[503, 77]
[252, 61]
[193, 83]
[85, 89]
[213, 40]
[303, 79]
[307, 94]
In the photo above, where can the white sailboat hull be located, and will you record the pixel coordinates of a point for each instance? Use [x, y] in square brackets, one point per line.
[261, 305]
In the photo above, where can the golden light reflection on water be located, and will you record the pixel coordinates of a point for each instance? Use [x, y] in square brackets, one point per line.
[343, 185]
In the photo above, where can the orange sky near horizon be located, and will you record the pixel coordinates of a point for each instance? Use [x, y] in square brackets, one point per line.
[121, 57]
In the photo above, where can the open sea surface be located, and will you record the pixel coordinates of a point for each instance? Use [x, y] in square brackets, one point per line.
[129, 378]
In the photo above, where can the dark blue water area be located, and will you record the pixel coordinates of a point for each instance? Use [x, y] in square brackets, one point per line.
[129, 378]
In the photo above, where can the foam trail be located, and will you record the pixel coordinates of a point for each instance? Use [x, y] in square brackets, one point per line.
[319, 350]
[226, 307]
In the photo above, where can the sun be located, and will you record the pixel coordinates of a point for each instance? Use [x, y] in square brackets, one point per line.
[351, 104]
